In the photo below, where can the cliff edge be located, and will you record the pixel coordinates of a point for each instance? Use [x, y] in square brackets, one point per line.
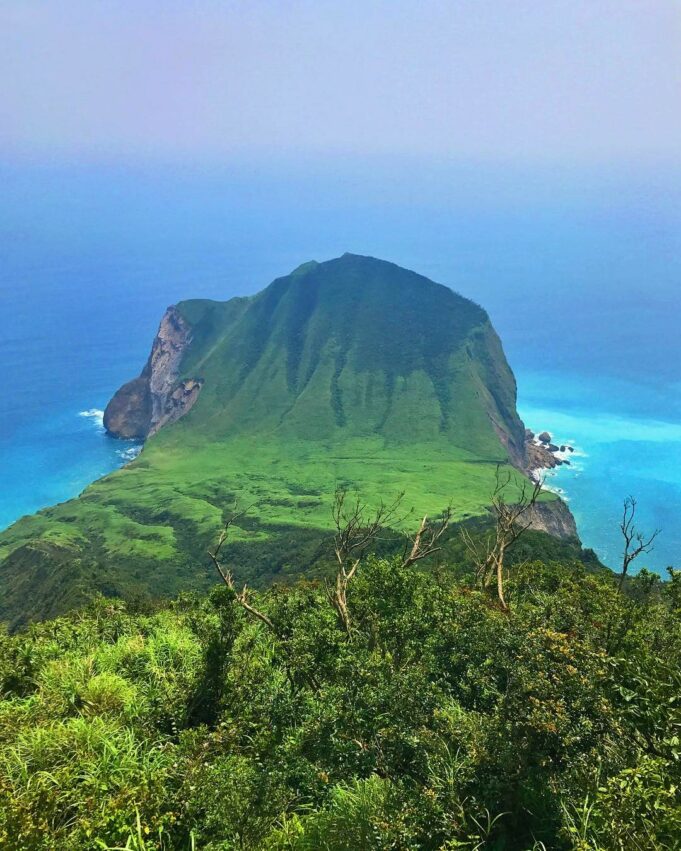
[157, 396]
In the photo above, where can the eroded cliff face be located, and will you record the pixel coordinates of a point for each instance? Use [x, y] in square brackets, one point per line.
[554, 518]
[157, 397]
[514, 443]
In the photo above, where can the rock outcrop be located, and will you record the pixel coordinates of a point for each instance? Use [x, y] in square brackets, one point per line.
[542, 454]
[554, 518]
[158, 396]
[539, 457]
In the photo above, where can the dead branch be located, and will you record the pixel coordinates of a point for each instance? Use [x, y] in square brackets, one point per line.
[635, 542]
[512, 520]
[479, 552]
[426, 541]
[227, 577]
[356, 529]
[242, 599]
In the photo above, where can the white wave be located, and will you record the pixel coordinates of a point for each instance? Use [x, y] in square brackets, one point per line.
[559, 492]
[93, 414]
[129, 454]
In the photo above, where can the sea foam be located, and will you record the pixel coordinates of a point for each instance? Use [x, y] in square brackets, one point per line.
[129, 454]
[93, 414]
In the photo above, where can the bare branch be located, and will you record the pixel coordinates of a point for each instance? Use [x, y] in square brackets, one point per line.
[635, 542]
[481, 555]
[512, 520]
[226, 574]
[356, 530]
[427, 538]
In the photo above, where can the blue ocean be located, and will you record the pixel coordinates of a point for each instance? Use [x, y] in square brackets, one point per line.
[580, 272]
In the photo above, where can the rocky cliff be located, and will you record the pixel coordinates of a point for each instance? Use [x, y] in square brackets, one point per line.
[554, 518]
[157, 397]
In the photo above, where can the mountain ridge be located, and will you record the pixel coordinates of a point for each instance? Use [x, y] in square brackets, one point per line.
[297, 320]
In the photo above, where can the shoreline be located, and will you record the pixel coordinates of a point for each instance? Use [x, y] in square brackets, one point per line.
[543, 454]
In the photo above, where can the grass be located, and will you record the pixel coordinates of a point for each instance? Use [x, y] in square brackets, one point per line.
[145, 528]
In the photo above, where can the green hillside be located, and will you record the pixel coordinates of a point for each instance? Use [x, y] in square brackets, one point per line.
[353, 346]
[353, 372]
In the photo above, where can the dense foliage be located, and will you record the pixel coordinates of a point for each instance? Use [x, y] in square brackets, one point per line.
[440, 722]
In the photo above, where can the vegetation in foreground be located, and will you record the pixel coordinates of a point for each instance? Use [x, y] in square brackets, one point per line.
[427, 717]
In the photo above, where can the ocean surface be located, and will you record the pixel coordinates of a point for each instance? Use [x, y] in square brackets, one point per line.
[580, 272]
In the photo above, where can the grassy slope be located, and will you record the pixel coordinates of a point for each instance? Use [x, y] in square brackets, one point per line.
[352, 372]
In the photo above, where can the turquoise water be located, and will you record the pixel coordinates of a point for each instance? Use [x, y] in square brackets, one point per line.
[617, 454]
[56, 457]
[579, 273]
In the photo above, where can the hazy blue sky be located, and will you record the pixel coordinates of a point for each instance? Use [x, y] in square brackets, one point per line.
[578, 81]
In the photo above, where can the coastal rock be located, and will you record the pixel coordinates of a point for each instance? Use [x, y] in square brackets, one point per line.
[540, 457]
[554, 518]
[157, 396]
[128, 414]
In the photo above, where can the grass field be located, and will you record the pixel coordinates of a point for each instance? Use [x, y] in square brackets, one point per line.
[145, 528]
[135, 509]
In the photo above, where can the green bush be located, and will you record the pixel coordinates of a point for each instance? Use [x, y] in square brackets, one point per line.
[440, 722]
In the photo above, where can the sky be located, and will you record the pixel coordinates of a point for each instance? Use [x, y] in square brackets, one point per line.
[582, 82]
